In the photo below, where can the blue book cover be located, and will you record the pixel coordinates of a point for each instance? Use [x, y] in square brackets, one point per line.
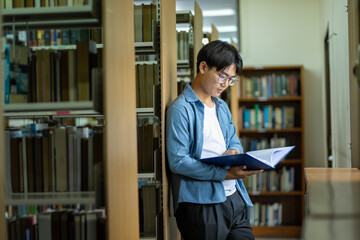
[246, 119]
[265, 159]
[266, 117]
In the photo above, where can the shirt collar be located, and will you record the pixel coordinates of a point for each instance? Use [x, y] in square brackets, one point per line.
[191, 96]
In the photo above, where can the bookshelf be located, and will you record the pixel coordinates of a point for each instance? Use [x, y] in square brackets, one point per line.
[161, 53]
[61, 16]
[198, 31]
[275, 92]
[122, 150]
[119, 112]
[185, 48]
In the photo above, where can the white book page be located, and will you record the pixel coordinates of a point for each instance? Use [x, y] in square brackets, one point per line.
[270, 156]
[262, 155]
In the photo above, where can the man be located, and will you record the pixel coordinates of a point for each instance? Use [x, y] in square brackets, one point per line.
[210, 201]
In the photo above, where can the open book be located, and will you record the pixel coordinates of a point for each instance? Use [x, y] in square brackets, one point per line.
[254, 160]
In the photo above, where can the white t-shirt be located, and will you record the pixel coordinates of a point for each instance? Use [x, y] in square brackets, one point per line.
[214, 143]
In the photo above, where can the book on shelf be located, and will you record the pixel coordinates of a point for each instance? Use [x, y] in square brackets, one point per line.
[253, 160]
[54, 159]
[144, 15]
[269, 86]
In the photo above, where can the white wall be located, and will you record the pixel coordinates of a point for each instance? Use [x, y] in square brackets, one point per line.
[288, 32]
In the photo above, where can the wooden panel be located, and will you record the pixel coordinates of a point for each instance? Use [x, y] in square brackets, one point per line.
[198, 33]
[331, 174]
[333, 191]
[271, 232]
[2, 161]
[214, 33]
[333, 196]
[168, 66]
[354, 84]
[120, 116]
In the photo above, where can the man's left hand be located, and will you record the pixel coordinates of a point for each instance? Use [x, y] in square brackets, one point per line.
[231, 152]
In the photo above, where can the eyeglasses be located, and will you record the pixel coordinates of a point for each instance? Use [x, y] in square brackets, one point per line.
[223, 78]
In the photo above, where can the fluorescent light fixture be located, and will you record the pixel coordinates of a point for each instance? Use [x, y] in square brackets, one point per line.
[230, 28]
[183, 29]
[225, 40]
[227, 28]
[219, 12]
[206, 29]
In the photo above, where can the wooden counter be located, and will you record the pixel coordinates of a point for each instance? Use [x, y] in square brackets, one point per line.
[332, 203]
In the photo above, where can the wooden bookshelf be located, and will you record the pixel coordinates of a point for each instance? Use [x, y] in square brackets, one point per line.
[120, 110]
[270, 232]
[121, 177]
[40, 17]
[292, 201]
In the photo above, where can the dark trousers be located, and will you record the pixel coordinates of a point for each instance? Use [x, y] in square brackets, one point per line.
[222, 221]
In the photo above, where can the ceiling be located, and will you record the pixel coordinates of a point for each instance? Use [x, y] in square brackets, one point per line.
[227, 26]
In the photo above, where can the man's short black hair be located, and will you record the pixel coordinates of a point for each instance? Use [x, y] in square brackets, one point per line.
[220, 55]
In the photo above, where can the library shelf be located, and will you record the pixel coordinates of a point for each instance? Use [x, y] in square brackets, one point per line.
[279, 194]
[185, 63]
[146, 175]
[33, 14]
[60, 47]
[271, 232]
[144, 110]
[254, 94]
[261, 131]
[290, 161]
[145, 47]
[273, 99]
[49, 109]
[49, 198]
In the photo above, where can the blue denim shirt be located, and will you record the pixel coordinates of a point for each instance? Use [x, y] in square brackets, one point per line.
[199, 182]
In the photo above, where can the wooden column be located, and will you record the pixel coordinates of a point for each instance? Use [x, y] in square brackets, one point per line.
[168, 65]
[120, 116]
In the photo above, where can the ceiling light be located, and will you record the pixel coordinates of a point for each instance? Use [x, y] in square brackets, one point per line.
[230, 28]
[221, 12]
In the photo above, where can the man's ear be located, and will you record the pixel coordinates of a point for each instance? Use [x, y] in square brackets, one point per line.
[203, 67]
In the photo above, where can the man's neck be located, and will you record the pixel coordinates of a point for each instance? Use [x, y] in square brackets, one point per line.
[201, 94]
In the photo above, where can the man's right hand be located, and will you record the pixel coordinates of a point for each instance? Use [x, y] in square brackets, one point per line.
[239, 172]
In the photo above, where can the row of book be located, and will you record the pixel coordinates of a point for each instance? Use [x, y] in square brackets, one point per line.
[62, 37]
[9, 4]
[272, 181]
[58, 224]
[148, 141]
[269, 86]
[52, 75]
[183, 43]
[149, 208]
[19, 211]
[250, 144]
[262, 214]
[147, 75]
[144, 19]
[58, 159]
[267, 117]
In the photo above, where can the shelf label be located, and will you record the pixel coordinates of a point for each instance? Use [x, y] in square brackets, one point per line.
[63, 113]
